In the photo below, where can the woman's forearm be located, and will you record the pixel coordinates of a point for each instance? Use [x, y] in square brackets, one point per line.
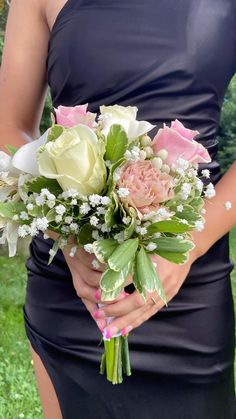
[219, 219]
[13, 136]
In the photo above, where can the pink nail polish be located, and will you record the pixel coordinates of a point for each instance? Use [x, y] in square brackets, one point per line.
[98, 294]
[126, 330]
[98, 314]
[111, 332]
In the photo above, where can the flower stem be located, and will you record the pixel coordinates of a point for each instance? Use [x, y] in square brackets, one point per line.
[115, 359]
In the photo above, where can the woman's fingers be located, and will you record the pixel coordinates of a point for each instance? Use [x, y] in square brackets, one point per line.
[131, 303]
[136, 317]
[120, 308]
[89, 260]
[91, 307]
[126, 323]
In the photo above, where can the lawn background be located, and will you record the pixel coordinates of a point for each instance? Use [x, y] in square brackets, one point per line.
[18, 393]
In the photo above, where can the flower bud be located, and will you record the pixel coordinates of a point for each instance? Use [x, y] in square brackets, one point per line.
[149, 151]
[157, 162]
[165, 168]
[143, 155]
[163, 154]
[146, 140]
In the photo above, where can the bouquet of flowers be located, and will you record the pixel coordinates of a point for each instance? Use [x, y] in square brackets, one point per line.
[120, 194]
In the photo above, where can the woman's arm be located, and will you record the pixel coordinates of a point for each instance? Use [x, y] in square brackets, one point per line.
[132, 311]
[219, 220]
[23, 88]
[23, 76]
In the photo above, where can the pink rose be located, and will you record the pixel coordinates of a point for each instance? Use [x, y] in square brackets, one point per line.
[68, 116]
[147, 186]
[178, 142]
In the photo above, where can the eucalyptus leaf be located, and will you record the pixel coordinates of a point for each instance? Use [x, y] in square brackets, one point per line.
[117, 142]
[103, 249]
[146, 276]
[123, 254]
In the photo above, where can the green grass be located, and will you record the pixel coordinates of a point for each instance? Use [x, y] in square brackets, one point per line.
[18, 394]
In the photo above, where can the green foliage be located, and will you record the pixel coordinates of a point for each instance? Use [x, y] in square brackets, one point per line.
[117, 143]
[227, 129]
[123, 254]
[18, 391]
[46, 117]
[145, 275]
[38, 183]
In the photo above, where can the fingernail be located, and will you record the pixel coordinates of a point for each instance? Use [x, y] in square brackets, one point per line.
[126, 330]
[101, 324]
[99, 314]
[98, 294]
[111, 332]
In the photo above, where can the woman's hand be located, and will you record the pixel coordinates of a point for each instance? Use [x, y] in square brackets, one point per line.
[86, 277]
[86, 281]
[132, 311]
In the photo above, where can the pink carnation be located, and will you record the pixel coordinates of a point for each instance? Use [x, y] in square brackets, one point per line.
[68, 116]
[178, 142]
[147, 185]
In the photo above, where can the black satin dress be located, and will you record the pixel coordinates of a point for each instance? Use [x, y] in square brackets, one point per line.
[171, 59]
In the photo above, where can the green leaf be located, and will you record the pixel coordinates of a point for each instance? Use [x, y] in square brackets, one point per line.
[169, 226]
[178, 258]
[104, 248]
[112, 210]
[111, 280]
[128, 232]
[51, 215]
[117, 142]
[110, 295]
[197, 203]
[55, 248]
[9, 209]
[146, 276]
[85, 234]
[11, 149]
[173, 245]
[110, 180]
[55, 132]
[38, 183]
[123, 254]
[188, 214]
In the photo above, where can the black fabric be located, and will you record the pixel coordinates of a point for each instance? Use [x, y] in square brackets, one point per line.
[171, 59]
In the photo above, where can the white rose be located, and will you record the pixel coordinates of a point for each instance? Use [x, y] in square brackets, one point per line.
[75, 160]
[126, 117]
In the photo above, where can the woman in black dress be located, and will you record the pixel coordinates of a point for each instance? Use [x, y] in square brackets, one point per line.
[171, 59]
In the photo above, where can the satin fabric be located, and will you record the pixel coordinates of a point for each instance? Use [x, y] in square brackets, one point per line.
[172, 60]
